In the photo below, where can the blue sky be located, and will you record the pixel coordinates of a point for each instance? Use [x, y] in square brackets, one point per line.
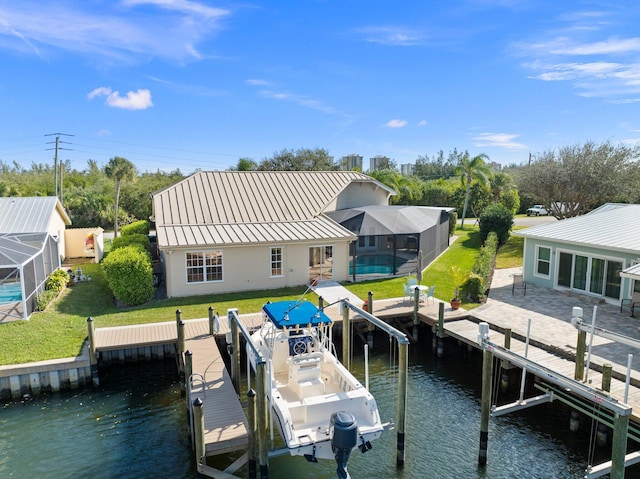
[199, 84]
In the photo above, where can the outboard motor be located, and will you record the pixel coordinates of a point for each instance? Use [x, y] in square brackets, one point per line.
[344, 437]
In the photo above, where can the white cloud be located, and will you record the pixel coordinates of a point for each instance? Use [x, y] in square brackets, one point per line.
[422, 123]
[134, 100]
[257, 82]
[300, 100]
[122, 31]
[390, 35]
[396, 123]
[499, 140]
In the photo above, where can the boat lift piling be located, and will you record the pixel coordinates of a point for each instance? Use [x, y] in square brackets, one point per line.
[403, 365]
[621, 412]
[261, 433]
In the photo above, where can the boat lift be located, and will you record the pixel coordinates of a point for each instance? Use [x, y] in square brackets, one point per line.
[621, 411]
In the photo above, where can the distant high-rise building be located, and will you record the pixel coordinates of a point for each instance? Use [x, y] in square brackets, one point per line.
[351, 162]
[408, 169]
[379, 162]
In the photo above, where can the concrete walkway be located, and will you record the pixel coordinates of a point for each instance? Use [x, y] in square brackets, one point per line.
[550, 313]
[332, 292]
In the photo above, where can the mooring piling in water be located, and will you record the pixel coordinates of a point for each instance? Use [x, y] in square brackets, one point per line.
[261, 422]
[198, 430]
[403, 372]
[93, 357]
[251, 420]
[235, 356]
[485, 412]
[188, 369]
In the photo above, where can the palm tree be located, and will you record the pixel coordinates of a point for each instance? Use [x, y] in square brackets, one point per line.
[470, 169]
[500, 182]
[119, 169]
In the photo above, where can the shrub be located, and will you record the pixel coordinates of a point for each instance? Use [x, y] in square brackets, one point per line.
[139, 240]
[475, 286]
[43, 299]
[57, 281]
[136, 228]
[453, 221]
[497, 218]
[129, 274]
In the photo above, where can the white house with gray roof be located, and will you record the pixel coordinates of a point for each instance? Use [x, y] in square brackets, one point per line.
[595, 254]
[233, 231]
[226, 231]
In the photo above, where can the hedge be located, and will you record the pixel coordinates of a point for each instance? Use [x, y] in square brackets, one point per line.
[139, 240]
[53, 285]
[475, 285]
[136, 228]
[129, 275]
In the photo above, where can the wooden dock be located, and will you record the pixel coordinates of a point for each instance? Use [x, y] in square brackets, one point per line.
[225, 422]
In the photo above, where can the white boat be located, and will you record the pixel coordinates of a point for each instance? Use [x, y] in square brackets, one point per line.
[319, 406]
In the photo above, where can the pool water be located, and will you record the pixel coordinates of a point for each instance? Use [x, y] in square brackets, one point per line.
[10, 293]
[376, 264]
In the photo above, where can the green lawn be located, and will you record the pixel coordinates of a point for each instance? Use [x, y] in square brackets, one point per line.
[60, 331]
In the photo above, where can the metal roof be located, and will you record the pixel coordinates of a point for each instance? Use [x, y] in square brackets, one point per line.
[17, 249]
[29, 214]
[383, 220]
[613, 226]
[632, 272]
[249, 207]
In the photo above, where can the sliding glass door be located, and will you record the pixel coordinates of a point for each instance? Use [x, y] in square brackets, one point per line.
[597, 276]
[320, 263]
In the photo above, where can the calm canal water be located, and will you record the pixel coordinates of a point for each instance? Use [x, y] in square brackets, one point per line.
[134, 426]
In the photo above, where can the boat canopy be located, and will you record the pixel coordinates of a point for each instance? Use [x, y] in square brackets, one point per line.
[291, 314]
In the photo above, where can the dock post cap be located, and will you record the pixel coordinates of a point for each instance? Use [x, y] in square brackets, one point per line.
[197, 402]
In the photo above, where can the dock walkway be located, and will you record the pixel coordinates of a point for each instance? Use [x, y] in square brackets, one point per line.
[225, 422]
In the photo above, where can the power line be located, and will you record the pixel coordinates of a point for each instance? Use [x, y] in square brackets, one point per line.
[55, 163]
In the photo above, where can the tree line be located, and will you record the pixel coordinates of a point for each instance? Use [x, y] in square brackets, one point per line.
[568, 181]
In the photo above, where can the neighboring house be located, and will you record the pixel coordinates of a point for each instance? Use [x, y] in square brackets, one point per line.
[592, 254]
[32, 246]
[233, 231]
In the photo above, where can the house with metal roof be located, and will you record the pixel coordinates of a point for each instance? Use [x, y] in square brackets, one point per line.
[225, 231]
[32, 231]
[594, 254]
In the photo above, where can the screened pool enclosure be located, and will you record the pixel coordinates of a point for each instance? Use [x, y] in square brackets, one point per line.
[26, 260]
[393, 240]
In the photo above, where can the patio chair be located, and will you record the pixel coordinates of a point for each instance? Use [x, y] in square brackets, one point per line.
[429, 294]
[412, 282]
[407, 293]
[519, 283]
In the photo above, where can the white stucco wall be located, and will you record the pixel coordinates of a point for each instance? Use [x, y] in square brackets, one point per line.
[56, 228]
[247, 268]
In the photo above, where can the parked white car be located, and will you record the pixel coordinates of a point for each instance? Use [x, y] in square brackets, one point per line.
[537, 210]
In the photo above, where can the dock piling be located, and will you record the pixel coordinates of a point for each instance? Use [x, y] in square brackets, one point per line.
[403, 372]
[581, 348]
[93, 357]
[251, 420]
[261, 422]
[485, 411]
[198, 423]
[188, 370]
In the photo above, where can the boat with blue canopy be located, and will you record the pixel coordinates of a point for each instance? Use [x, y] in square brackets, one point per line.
[321, 410]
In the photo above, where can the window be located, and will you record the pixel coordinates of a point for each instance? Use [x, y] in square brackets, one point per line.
[276, 261]
[204, 266]
[544, 261]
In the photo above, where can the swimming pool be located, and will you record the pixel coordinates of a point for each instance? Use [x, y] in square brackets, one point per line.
[376, 264]
[10, 293]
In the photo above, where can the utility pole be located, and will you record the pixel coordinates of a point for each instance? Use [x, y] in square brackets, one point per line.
[57, 191]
